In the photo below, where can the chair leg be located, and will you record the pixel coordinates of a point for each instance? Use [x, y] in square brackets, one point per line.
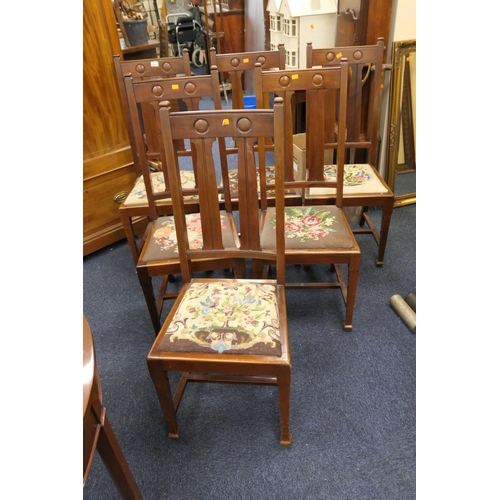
[284, 381]
[384, 230]
[362, 219]
[163, 390]
[352, 284]
[147, 289]
[129, 234]
[112, 456]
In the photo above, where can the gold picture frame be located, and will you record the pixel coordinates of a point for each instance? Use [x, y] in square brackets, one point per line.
[401, 150]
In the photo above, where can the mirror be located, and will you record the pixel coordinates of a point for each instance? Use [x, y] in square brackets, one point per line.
[401, 172]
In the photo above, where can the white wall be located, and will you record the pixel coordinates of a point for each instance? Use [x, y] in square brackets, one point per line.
[405, 20]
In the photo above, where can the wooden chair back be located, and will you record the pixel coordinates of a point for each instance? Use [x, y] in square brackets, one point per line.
[318, 84]
[145, 69]
[235, 64]
[240, 65]
[144, 98]
[365, 84]
[245, 126]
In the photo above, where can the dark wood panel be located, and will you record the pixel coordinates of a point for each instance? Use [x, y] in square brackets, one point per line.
[231, 23]
[373, 21]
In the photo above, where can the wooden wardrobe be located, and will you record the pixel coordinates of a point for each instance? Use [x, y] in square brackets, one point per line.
[107, 159]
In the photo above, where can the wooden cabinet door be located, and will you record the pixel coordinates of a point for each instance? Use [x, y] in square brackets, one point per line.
[107, 158]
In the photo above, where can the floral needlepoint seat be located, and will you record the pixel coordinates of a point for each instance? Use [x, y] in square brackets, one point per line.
[163, 242]
[359, 178]
[226, 318]
[309, 227]
[292, 196]
[138, 195]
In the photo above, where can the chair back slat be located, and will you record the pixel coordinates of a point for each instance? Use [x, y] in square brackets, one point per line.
[247, 192]
[207, 184]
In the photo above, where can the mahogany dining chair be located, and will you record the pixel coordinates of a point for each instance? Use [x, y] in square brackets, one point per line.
[316, 234]
[364, 186]
[222, 330]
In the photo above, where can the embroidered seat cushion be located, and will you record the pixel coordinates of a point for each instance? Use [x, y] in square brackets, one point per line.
[226, 317]
[233, 182]
[311, 227]
[358, 179]
[163, 243]
[138, 194]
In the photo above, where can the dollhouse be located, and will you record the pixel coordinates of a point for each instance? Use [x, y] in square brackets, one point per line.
[297, 22]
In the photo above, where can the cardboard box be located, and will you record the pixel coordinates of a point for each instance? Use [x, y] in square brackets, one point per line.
[299, 157]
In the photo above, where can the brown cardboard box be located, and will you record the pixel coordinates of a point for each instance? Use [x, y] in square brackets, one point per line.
[299, 157]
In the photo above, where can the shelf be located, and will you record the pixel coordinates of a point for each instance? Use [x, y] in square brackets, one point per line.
[152, 44]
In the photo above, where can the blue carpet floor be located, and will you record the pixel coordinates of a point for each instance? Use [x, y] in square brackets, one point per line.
[352, 399]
